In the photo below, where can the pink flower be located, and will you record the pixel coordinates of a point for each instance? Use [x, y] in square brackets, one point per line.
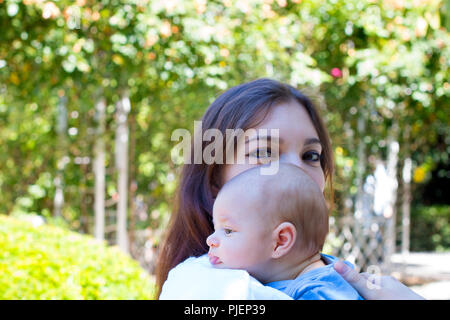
[336, 73]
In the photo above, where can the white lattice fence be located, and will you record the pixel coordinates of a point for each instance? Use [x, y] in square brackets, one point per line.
[143, 250]
[361, 242]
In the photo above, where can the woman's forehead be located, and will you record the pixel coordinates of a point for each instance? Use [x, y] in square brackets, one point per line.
[291, 119]
[287, 123]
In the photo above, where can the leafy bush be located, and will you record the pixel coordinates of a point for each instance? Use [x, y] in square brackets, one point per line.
[48, 262]
[430, 228]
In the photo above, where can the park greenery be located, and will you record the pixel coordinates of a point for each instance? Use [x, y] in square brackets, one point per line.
[377, 70]
[48, 262]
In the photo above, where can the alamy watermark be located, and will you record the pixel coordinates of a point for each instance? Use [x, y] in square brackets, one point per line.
[237, 142]
[373, 277]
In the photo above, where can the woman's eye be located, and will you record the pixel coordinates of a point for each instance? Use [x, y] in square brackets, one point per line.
[261, 153]
[311, 156]
[227, 231]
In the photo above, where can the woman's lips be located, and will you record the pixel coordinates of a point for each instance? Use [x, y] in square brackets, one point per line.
[213, 259]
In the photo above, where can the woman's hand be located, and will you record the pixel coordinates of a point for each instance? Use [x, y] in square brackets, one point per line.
[375, 287]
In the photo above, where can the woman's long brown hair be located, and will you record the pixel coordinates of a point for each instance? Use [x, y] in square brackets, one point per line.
[244, 107]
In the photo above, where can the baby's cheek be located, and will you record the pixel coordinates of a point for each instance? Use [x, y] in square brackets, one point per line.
[245, 259]
[233, 257]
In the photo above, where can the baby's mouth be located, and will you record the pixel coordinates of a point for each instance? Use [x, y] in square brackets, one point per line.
[213, 259]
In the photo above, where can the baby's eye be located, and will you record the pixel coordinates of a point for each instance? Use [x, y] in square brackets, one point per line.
[227, 231]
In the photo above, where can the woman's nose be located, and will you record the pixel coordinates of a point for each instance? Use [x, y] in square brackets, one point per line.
[212, 241]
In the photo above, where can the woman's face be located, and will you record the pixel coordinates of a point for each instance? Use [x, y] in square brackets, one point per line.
[299, 144]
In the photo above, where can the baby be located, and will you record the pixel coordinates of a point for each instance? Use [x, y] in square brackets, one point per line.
[274, 227]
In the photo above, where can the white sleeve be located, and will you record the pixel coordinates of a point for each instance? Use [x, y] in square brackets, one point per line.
[196, 279]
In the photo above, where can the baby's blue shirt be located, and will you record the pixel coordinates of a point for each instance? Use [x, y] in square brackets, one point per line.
[323, 283]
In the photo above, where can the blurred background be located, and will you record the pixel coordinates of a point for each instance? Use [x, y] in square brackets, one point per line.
[90, 92]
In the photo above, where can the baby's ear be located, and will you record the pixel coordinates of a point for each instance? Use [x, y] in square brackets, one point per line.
[284, 237]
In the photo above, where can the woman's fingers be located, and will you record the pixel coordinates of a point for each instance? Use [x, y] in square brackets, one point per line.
[375, 287]
[354, 278]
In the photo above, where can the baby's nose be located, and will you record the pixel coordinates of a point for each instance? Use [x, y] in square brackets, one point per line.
[212, 241]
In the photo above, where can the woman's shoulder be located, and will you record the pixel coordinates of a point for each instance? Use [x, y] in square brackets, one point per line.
[196, 279]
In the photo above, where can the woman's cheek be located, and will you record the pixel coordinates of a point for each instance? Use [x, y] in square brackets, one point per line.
[320, 180]
[232, 170]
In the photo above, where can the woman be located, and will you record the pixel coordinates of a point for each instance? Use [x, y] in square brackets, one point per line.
[303, 141]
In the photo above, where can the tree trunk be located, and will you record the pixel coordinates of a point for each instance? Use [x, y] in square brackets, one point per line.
[123, 108]
[99, 172]
[132, 183]
[406, 204]
[61, 128]
[361, 168]
[390, 212]
[359, 213]
[84, 211]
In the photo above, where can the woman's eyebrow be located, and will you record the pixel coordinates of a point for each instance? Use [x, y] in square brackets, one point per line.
[308, 141]
[312, 141]
[268, 137]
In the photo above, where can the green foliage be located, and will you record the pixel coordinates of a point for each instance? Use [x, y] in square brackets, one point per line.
[386, 62]
[48, 262]
[430, 228]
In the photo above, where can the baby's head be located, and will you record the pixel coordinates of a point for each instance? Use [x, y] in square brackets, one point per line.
[262, 219]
